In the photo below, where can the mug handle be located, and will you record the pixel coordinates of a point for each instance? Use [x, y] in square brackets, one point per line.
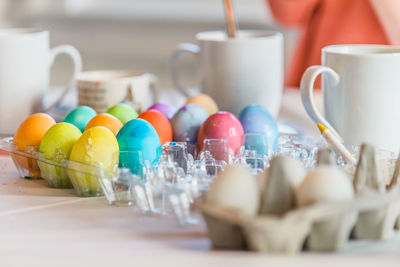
[77, 67]
[182, 48]
[307, 93]
[153, 88]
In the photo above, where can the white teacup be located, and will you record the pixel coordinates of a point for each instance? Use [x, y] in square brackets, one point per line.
[238, 71]
[361, 92]
[103, 89]
[24, 74]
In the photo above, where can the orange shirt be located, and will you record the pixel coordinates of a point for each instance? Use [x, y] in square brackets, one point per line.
[326, 22]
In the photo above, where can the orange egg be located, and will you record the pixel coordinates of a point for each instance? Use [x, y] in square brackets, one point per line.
[106, 120]
[160, 123]
[204, 101]
[32, 130]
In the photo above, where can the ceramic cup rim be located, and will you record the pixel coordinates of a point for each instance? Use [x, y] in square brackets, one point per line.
[362, 50]
[243, 36]
[108, 75]
[7, 33]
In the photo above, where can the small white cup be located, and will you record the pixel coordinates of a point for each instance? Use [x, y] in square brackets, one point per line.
[103, 89]
[361, 92]
[239, 71]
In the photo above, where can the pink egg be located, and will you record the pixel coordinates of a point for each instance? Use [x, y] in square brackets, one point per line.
[222, 125]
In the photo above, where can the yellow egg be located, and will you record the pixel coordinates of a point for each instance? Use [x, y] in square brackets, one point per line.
[96, 146]
[204, 101]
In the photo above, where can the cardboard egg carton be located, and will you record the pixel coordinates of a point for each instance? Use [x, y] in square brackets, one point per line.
[281, 227]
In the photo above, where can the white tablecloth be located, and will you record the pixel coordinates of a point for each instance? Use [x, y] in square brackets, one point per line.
[40, 226]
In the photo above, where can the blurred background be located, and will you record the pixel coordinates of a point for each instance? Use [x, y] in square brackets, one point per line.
[132, 34]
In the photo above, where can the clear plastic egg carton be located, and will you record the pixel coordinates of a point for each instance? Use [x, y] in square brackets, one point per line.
[58, 172]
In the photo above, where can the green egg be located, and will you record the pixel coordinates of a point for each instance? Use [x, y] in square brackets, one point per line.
[56, 146]
[97, 146]
[123, 112]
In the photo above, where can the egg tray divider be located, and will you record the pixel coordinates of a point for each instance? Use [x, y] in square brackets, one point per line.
[57, 172]
[372, 214]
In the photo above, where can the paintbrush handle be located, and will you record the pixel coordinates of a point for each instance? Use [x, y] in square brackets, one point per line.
[230, 18]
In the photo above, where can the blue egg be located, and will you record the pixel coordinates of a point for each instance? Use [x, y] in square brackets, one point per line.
[138, 135]
[187, 121]
[80, 117]
[260, 128]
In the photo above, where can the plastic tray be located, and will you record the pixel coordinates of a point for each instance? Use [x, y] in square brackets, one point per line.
[62, 173]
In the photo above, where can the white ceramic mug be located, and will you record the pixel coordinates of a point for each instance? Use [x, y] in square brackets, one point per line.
[237, 71]
[361, 92]
[25, 61]
[103, 89]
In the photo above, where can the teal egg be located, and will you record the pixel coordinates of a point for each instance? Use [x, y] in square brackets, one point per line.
[138, 135]
[80, 116]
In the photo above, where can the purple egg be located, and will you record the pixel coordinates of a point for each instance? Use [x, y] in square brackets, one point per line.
[187, 121]
[164, 108]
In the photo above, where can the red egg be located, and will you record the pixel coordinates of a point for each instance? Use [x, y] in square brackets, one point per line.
[222, 125]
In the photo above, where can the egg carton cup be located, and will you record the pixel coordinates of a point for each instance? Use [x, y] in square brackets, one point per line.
[320, 227]
[56, 175]
[167, 190]
[84, 178]
[119, 186]
[373, 177]
[25, 161]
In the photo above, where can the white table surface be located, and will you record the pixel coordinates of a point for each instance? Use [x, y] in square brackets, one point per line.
[40, 226]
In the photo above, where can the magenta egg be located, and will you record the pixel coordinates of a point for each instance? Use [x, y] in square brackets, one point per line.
[222, 125]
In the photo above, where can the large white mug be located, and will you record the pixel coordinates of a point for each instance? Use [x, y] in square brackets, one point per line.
[25, 61]
[102, 89]
[361, 93]
[237, 71]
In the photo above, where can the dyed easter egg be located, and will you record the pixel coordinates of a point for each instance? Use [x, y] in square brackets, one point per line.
[164, 108]
[187, 121]
[32, 130]
[56, 146]
[160, 123]
[106, 120]
[97, 145]
[204, 101]
[222, 125]
[138, 134]
[123, 112]
[257, 120]
[59, 139]
[80, 116]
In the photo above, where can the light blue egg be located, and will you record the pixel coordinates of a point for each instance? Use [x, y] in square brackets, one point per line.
[260, 128]
[138, 135]
[187, 121]
[80, 117]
